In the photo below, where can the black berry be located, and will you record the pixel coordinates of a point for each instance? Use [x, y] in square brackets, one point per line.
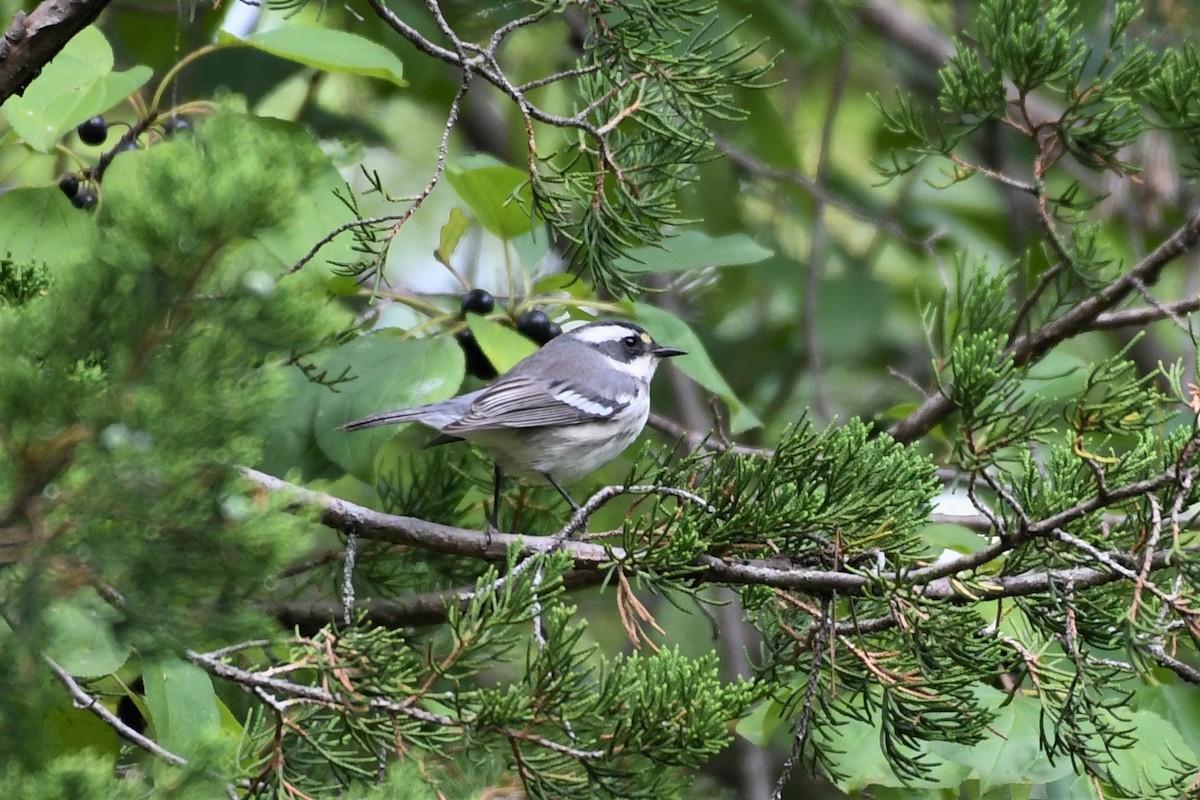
[176, 125]
[477, 363]
[537, 326]
[125, 146]
[85, 199]
[93, 131]
[69, 184]
[477, 301]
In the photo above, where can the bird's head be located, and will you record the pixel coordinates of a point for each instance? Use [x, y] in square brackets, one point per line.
[626, 346]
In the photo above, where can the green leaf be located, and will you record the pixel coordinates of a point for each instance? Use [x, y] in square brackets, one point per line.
[762, 722]
[41, 224]
[183, 706]
[862, 763]
[668, 329]
[1179, 704]
[452, 233]
[497, 194]
[694, 250]
[77, 85]
[1013, 754]
[326, 49]
[1156, 749]
[290, 443]
[391, 373]
[503, 346]
[69, 730]
[81, 637]
[947, 536]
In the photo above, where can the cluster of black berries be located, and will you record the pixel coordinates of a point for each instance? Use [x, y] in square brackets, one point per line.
[534, 324]
[82, 192]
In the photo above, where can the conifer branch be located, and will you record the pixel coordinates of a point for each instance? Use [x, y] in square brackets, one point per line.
[1077, 319]
[324, 697]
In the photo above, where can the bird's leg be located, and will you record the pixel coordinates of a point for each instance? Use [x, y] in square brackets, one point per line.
[493, 517]
[562, 491]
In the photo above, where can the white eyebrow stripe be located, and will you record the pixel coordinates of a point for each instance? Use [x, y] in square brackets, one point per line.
[584, 404]
[603, 333]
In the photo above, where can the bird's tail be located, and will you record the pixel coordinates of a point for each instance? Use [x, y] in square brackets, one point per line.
[386, 418]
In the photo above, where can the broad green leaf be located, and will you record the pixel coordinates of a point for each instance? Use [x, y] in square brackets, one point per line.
[69, 729]
[503, 346]
[1157, 750]
[694, 250]
[912, 793]
[947, 536]
[862, 764]
[290, 441]
[1179, 704]
[184, 709]
[668, 329]
[762, 722]
[452, 233]
[41, 224]
[390, 373]
[81, 637]
[562, 282]
[78, 84]
[1013, 754]
[497, 194]
[326, 49]
[1072, 787]
[533, 252]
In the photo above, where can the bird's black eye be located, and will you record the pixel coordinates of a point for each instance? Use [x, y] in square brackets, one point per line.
[631, 342]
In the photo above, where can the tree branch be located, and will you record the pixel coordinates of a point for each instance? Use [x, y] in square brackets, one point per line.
[33, 39]
[1076, 320]
[933, 583]
[87, 702]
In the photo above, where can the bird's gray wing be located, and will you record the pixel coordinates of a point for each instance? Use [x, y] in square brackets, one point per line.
[526, 402]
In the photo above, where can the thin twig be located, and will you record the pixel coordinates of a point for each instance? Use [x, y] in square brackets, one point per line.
[348, 578]
[603, 496]
[1137, 317]
[697, 441]
[820, 635]
[87, 702]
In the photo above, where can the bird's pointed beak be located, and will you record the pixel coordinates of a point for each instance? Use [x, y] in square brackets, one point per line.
[667, 352]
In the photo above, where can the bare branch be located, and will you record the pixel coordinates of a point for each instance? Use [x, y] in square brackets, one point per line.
[33, 39]
[1137, 317]
[87, 702]
[930, 582]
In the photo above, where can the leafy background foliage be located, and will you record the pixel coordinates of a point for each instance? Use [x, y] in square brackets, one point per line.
[932, 265]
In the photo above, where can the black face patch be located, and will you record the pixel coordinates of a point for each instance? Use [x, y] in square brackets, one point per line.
[628, 348]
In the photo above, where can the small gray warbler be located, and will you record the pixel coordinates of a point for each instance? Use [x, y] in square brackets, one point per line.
[559, 414]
